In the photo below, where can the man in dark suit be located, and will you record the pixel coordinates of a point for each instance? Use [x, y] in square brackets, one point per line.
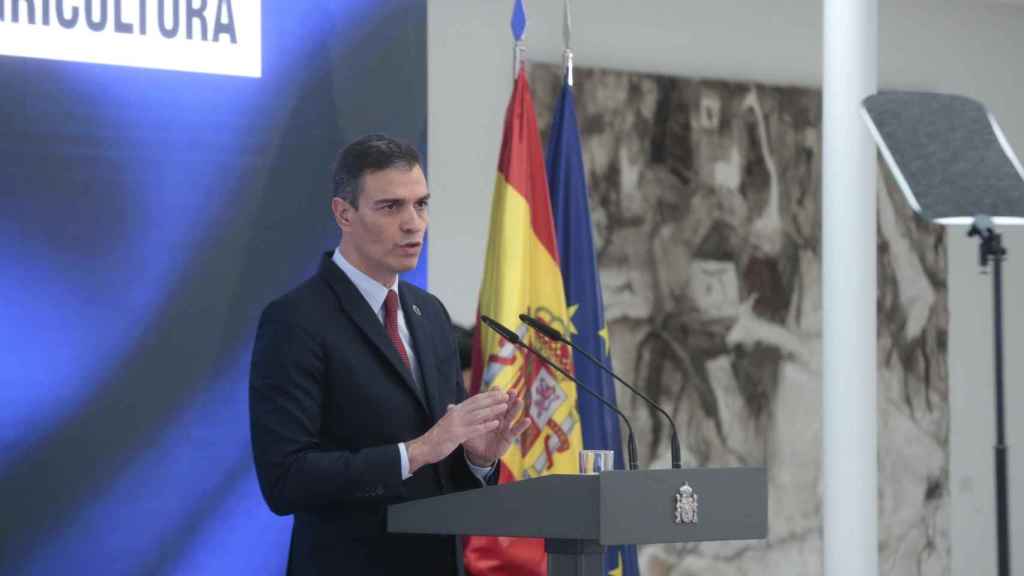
[356, 397]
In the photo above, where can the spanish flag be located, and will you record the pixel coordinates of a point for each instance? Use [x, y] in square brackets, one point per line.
[522, 274]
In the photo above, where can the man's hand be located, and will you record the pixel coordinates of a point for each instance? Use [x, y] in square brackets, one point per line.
[475, 417]
[484, 448]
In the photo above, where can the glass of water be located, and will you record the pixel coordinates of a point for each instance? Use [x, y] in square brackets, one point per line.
[596, 461]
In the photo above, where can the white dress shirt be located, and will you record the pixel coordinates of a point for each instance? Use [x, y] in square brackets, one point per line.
[374, 292]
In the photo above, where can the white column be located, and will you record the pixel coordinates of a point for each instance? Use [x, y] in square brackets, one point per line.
[849, 286]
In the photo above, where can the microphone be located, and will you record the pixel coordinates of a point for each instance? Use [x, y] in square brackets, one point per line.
[557, 336]
[514, 338]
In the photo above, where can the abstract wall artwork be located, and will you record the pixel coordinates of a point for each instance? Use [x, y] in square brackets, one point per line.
[706, 202]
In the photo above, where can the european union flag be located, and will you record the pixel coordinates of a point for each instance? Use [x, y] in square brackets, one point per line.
[571, 212]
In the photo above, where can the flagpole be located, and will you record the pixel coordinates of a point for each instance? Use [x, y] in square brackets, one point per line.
[567, 40]
[518, 55]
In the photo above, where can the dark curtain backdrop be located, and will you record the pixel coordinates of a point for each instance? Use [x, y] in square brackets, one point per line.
[146, 217]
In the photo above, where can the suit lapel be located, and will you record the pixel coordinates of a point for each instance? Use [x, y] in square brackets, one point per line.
[353, 303]
[423, 344]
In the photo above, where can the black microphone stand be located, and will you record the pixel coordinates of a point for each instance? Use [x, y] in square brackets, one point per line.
[992, 249]
[557, 336]
[516, 340]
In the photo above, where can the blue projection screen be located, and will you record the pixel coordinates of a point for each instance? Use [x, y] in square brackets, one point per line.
[146, 217]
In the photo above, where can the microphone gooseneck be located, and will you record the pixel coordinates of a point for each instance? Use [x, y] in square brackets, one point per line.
[553, 334]
[514, 338]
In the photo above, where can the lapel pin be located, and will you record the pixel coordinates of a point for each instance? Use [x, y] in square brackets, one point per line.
[416, 309]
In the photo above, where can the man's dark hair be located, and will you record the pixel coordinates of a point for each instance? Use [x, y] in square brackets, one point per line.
[371, 153]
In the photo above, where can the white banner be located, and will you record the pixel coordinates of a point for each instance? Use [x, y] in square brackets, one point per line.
[209, 36]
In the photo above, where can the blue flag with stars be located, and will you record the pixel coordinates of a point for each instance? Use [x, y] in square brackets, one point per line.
[571, 211]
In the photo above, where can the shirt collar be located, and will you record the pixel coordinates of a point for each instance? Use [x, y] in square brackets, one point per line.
[373, 292]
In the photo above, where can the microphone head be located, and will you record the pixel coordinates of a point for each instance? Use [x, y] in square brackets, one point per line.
[544, 329]
[501, 330]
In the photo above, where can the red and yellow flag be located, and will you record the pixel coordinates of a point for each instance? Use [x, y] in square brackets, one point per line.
[522, 274]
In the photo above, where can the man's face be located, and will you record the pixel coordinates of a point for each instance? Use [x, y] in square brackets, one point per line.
[384, 236]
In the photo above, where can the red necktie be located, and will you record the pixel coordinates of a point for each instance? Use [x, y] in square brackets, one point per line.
[391, 323]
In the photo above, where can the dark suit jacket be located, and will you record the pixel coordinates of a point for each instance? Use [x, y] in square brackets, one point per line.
[329, 400]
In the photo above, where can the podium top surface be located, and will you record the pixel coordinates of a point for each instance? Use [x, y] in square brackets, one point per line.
[615, 507]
